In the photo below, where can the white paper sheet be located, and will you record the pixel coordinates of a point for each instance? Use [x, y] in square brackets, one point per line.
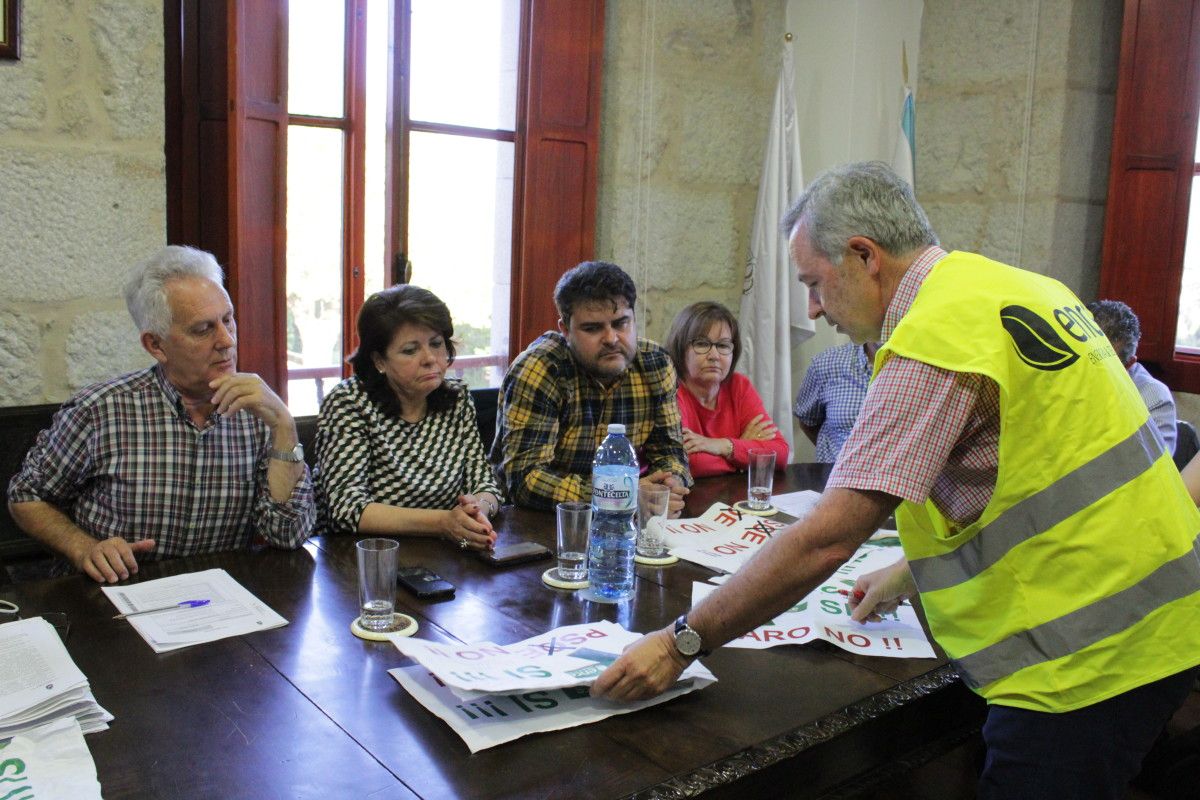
[485, 720]
[825, 614]
[546, 661]
[40, 683]
[231, 611]
[51, 760]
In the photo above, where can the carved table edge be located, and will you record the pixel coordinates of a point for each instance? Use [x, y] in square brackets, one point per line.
[762, 755]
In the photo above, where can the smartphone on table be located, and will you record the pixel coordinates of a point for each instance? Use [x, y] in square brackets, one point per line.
[424, 583]
[514, 552]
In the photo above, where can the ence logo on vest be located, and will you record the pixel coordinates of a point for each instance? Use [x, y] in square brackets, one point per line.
[1037, 343]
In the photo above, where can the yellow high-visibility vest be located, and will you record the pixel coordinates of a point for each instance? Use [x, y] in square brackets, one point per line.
[1081, 579]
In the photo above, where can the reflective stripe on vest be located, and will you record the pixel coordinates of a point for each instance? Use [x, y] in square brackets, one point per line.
[1060, 637]
[1040, 512]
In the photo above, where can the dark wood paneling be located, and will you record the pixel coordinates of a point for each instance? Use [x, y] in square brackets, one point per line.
[1150, 176]
[558, 152]
[257, 174]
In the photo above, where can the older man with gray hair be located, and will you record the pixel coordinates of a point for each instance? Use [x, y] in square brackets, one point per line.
[186, 456]
[1050, 536]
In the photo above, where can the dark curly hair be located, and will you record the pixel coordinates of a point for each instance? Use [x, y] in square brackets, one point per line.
[693, 323]
[1119, 324]
[380, 317]
[590, 282]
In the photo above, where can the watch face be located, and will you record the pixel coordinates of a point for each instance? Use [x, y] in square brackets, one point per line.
[687, 641]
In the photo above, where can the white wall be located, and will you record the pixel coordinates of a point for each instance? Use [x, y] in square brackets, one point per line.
[849, 90]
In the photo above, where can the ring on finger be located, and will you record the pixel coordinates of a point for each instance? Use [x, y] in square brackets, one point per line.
[463, 544]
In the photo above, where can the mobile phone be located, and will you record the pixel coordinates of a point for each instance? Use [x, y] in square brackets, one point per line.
[514, 553]
[424, 583]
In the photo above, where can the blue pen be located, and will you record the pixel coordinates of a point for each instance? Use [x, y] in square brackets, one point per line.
[181, 604]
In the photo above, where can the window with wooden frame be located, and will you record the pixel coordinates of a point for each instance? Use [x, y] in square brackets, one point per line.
[244, 156]
[1151, 251]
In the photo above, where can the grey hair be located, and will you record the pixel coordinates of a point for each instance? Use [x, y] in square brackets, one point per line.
[1119, 324]
[865, 198]
[145, 292]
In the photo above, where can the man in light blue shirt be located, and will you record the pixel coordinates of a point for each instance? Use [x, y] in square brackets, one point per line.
[1121, 326]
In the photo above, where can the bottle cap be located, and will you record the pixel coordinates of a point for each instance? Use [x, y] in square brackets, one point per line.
[616, 427]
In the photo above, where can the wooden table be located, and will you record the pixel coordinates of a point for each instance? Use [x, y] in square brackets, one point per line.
[308, 710]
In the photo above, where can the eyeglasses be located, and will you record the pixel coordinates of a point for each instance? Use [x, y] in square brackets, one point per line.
[702, 346]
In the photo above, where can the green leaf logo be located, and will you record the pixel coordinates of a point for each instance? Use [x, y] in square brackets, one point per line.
[1037, 343]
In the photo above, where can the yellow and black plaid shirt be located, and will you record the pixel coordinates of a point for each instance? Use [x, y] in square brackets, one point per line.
[553, 415]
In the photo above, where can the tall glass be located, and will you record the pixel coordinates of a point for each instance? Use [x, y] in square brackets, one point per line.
[574, 522]
[761, 474]
[653, 503]
[376, 583]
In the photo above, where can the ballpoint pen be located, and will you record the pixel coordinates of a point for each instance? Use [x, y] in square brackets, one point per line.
[859, 594]
[181, 604]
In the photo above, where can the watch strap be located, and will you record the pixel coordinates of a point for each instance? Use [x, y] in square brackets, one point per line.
[293, 456]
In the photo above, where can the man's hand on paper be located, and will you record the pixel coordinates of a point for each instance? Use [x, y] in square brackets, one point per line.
[647, 668]
[881, 591]
[113, 559]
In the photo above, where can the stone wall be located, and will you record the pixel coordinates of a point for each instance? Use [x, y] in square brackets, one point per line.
[687, 100]
[1014, 110]
[83, 181]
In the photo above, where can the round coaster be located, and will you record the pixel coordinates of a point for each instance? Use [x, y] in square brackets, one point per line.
[745, 509]
[402, 625]
[551, 579]
[665, 561]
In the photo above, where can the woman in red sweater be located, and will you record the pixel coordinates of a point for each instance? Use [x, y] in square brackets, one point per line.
[723, 416]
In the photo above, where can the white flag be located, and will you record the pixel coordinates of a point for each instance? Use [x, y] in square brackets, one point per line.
[904, 159]
[774, 311]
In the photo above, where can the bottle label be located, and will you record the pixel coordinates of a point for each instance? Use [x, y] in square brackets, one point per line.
[614, 489]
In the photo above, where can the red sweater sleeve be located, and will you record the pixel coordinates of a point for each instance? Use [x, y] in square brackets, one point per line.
[701, 465]
[745, 405]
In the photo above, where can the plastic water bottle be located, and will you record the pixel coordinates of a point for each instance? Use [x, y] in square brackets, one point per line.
[613, 534]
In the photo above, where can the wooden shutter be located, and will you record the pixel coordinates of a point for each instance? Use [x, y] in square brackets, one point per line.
[1150, 176]
[226, 145]
[257, 61]
[556, 202]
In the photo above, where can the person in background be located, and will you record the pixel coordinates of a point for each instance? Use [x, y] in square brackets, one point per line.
[398, 450]
[563, 391]
[1121, 326]
[1051, 538]
[831, 395]
[187, 456]
[722, 415]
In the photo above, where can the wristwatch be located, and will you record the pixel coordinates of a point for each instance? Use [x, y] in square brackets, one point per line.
[293, 456]
[687, 640]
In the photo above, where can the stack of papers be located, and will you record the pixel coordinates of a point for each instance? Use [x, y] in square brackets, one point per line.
[39, 683]
[221, 608]
[489, 693]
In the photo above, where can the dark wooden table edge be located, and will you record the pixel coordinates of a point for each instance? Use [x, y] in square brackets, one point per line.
[754, 760]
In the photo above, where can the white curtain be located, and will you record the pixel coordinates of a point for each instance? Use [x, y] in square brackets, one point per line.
[774, 311]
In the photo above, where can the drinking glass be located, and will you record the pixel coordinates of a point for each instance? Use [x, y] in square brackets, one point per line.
[376, 583]
[574, 523]
[761, 477]
[653, 503]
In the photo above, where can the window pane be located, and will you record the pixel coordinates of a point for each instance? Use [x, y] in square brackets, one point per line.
[464, 62]
[316, 57]
[314, 260]
[460, 240]
[1187, 332]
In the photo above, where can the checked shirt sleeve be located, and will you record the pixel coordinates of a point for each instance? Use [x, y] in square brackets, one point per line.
[530, 405]
[288, 524]
[59, 463]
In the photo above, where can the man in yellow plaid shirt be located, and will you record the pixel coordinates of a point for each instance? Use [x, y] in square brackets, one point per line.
[563, 391]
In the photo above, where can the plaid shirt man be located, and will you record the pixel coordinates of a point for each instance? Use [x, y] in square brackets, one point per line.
[122, 458]
[553, 415]
[834, 386]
